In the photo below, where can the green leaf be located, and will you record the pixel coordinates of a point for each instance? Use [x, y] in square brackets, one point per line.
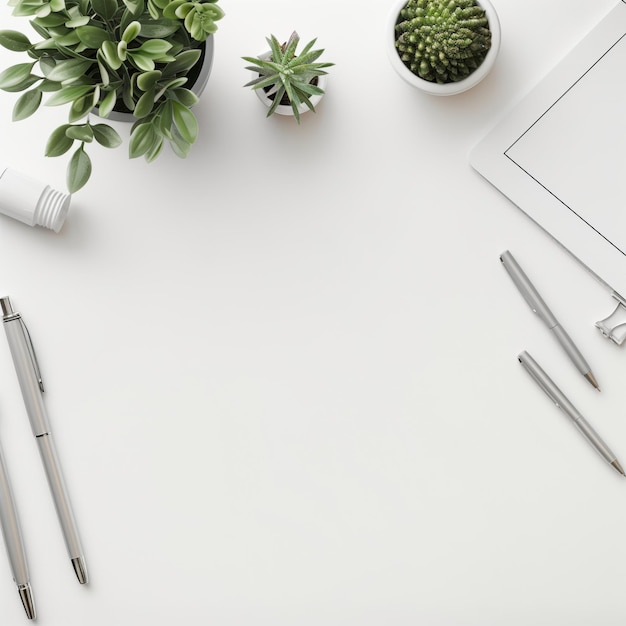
[126, 19]
[15, 75]
[106, 136]
[49, 85]
[110, 56]
[58, 142]
[170, 10]
[78, 170]
[69, 69]
[274, 45]
[142, 61]
[25, 8]
[154, 48]
[46, 64]
[308, 47]
[185, 121]
[183, 10]
[147, 80]
[135, 7]
[170, 86]
[71, 39]
[186, 97]
[184, 61]
[128, 96]
[29, 81]
[77, 22]
[179, 145]
[295, 101]
[46, 44]
[159, 28]
[131, 32]
[83, 106]
[165, 119]
[107, 104]
[312, 90]
[43, 11]
[51, 21]
[292, 44]
[121, 50]
[164, 58]
[105, 78]
[26, 104]
[82, 133]
[68, 53]
[92, 36]
[155, 150]
[106, 9]
[14, 40]
[68, 94]
[145, 104]
[142, 138]
[154, 12]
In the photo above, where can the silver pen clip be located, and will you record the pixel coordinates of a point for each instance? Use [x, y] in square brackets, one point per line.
[33, 354]
[9, 315]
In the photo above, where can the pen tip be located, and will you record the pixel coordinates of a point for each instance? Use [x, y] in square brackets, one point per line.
[592, 379]
[26, 596]
[5, 304]
[81, 569]
[618, 467]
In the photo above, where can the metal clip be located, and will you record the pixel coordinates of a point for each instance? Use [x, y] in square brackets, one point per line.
[33, 355]
[613, 327]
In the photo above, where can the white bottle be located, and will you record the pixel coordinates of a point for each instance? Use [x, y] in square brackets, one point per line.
[31, 201]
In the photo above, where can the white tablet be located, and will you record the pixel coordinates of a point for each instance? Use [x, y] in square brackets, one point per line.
[560, 156]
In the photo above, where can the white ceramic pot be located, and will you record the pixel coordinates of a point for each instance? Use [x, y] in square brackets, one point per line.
[285, 109]
[445, 89]
[206, 63]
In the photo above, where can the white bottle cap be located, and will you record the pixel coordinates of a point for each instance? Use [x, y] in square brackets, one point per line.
[31, 201]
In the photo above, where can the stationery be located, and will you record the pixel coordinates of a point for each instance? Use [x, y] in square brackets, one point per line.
[557, 396]
[538, 306]
[13, 541]
[32, 388]
[558, 155]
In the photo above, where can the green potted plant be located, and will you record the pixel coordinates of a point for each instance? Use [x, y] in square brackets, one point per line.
[149, 59]
[443, 47]
[287, 82]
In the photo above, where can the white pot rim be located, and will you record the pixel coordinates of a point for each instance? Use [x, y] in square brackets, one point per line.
[285, 109]
[445, 89]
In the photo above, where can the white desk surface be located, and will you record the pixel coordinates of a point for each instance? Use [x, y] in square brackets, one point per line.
[282, 374]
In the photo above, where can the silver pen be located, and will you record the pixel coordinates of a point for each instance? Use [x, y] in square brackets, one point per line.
[557, 396]
[31, 385]
[13, 541]
[539, 307]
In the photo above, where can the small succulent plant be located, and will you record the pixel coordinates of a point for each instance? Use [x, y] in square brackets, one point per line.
[442, 41]
[287, 77]
[107, 54]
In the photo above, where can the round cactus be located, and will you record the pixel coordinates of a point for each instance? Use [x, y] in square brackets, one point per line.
[442, 41]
